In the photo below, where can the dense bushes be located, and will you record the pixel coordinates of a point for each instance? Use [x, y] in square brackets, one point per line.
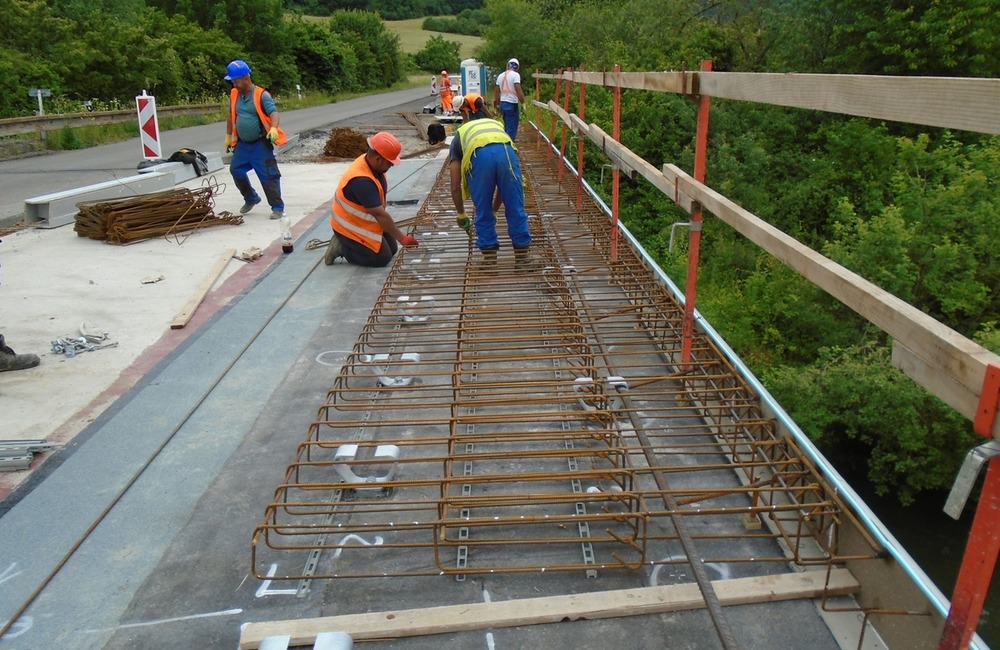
[911, 209]
[178, 51]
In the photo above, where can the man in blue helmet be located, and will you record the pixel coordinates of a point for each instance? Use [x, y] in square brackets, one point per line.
[252, 130]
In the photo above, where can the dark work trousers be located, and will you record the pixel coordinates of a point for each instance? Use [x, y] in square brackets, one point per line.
[357, 253]
[258, 156]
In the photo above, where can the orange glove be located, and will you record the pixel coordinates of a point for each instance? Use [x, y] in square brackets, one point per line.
[409, 241]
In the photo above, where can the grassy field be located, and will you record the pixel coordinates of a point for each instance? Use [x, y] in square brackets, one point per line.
[413, 38]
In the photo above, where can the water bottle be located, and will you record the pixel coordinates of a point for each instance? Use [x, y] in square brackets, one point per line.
[286, 235]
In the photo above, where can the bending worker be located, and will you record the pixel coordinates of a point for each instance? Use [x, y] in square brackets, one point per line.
[364, 233]
[253, 129]
[471, 106]
[482, 159]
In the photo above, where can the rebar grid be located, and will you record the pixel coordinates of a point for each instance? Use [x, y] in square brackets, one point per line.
[525, 415]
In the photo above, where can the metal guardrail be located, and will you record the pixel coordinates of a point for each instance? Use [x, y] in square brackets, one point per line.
[42, 123]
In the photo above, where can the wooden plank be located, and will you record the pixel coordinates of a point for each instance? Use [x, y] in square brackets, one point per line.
[553, 609]
[188, 311]
[946, 389]
[942, 348]
[965, 103]
[957, 103]
[672, 82]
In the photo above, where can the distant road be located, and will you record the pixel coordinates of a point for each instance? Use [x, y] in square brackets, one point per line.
[37, 175]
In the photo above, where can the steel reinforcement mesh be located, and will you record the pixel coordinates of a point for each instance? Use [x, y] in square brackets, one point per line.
[531, 414]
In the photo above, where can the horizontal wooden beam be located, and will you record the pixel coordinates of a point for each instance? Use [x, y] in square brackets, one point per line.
[943, 350]
[553, 609]
[958, 103]
[964, 103]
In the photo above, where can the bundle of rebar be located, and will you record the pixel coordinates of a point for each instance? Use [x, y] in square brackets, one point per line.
[158, 214]
[345, 143]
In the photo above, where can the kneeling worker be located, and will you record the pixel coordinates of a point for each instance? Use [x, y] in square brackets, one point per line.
[364, 233]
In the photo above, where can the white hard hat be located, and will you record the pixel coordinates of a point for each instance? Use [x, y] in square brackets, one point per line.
[513, 63]
[457, 102]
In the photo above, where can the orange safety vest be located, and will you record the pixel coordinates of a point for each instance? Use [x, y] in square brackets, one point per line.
[258, 92]
[351, 219]
[469, 106]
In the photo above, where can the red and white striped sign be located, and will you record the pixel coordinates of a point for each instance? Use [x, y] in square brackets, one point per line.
[149, 128]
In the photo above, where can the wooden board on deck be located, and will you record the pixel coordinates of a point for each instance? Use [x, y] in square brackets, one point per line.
[553, 609]
[188, 311]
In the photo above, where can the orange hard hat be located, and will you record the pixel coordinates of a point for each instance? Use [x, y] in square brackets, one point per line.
[444, 72]
[387, 146]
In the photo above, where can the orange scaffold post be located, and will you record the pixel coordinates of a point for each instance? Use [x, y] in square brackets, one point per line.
[694, 250]
[981, 552]
[616, 133]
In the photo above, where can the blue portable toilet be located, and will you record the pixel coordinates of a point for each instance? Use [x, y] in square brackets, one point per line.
[474, 78]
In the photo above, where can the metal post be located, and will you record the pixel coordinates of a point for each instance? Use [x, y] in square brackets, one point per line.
[552, 127]
[538, 122]
[616, 131]
[579, 149]
[694, 252]
[981, 552]
[562, 144]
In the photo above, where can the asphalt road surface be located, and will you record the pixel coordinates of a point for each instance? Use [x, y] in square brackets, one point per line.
[28, 177]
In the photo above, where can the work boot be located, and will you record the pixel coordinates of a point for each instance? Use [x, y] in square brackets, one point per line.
[277, 214]
[488, 262]
[333, 250]
[250, 197]
[524, 260]
[10, 360]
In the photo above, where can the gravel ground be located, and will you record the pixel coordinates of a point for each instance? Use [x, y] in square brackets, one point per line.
[312, 144]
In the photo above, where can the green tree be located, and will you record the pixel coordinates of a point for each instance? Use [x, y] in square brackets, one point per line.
[380, 59]
[326, 60]
[872, 421]
[914, 38]
[37, 50]
[438, 54]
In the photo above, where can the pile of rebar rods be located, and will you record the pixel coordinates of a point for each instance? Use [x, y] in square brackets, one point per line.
[158, 214]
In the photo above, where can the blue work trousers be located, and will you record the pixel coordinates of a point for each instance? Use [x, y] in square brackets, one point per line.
[511, 113]
[496, 167]
[258, 156]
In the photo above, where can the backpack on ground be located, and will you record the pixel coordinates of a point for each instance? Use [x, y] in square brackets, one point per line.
[191, 157]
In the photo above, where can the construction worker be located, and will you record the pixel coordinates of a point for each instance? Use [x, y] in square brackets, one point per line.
[446, 93]
[483, 159]
[471, 106]
[509, 97]
[364, 233]
[252, 131]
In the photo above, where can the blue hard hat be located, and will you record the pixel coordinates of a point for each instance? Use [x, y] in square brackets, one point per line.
[237, 69]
